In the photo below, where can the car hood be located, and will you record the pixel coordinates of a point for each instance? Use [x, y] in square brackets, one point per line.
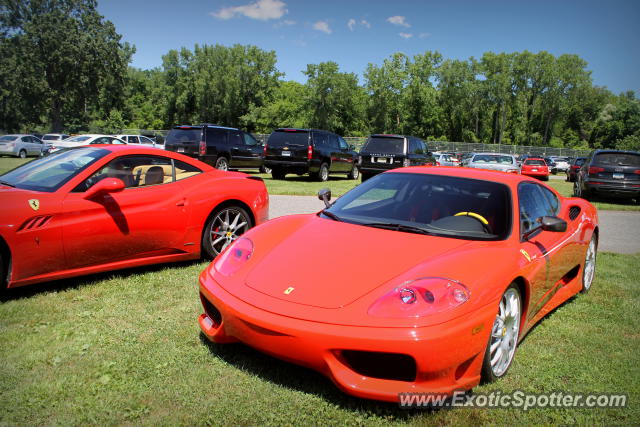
[20, 205]
[329, 264]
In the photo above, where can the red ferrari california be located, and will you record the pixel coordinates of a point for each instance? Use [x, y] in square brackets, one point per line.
[418, 280]
[105, 207]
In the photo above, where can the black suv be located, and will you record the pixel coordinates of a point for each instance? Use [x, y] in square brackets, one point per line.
[609, 172]
[222, 147]
[312, 151]
[384, 152]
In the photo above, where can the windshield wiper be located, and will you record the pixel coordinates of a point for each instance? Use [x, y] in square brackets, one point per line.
[398, 227]
[331, 215]
[7, 184]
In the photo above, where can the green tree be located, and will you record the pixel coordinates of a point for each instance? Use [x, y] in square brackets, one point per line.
[69, 60]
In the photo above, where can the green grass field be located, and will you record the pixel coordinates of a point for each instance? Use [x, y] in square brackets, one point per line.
[339, 184]
[125, 348]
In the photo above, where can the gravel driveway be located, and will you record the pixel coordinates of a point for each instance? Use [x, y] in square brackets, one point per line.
[619, 231]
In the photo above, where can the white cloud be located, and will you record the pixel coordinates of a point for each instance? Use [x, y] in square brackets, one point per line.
[284, 23]
[262, 10]
[405, 35]
[424, 35]
[351, 24]
[398, 20]
[322, 26]
[365, 23]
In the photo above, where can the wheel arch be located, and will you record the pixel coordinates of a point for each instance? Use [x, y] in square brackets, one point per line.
[225, 203]
[523, 288]
[5, 266]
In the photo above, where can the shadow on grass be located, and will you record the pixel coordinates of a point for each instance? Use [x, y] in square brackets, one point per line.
[304, 380]
[59, 285]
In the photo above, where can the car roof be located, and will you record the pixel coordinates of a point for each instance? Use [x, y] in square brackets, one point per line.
[495, 154]
[387, 135]
[202, 125]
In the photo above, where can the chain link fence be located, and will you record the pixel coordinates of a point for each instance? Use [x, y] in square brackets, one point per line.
[457, 147]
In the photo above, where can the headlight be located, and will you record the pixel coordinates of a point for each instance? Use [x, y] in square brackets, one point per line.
[421, 297]
[234, 257]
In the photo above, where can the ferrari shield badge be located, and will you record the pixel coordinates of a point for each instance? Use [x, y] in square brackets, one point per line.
[288, 291]
[525, 254]
[35, 204]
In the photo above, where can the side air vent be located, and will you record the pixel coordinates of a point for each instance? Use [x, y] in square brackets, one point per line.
[574, 211]
[35, 222]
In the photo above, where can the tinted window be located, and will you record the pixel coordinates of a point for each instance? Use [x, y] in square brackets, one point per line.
[617, 159]
[535, 162]
[51, 172]
[235, 138]
[249, 139]
[216, 136]
[343, 143]
[133, 140]
[288, 138]
[80, 138]
[184, 136]
[321, 139]
[535, 202]
[145, 140]
[387, 145]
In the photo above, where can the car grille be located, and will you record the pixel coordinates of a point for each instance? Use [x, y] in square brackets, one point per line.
[386, 366]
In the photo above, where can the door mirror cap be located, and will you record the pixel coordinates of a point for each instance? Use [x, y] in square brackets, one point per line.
[104, 186]
[553, 223]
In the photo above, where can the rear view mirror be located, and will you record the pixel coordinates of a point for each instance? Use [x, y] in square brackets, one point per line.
[325, 196]
[553, 223]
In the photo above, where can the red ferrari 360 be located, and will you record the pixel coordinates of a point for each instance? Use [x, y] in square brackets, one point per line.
[106, 207]
[418, 280]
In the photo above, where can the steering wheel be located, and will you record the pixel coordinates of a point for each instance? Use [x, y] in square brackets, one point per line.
[483, 220]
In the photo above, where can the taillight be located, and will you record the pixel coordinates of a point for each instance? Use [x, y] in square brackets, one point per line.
[309, 152]
[637, 171]
[437, 163]
[203, 148]
[264, 150]
[595, 169]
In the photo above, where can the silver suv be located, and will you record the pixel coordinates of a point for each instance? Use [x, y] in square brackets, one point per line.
[22, 146]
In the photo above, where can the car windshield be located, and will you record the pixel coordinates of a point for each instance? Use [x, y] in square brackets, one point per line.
[8, 138]
[50, 173]
[384, 145]
[535, 162]
[429, 204]
[280, 138]
[80, 138]
[493, 158]
[50, 137]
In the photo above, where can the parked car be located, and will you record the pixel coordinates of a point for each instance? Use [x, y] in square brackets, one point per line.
[106, 207]
[381, 153]
[536, 167]
[140, 140]
[553, 168]
[316, 152]
[609, 173]
[88, 139]
[22, 145]
[405, 316]
[493, 161]
[562, 163]
[444, 159]
[574, 167]
[51, 137]
[222, 147]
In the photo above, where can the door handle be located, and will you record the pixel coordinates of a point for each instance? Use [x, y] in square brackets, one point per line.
[181, 202]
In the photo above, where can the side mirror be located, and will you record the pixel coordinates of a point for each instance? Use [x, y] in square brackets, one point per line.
[325, 196]
[553, 223]
[104, 186]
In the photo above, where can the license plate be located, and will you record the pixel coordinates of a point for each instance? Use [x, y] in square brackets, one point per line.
[618, 176]
[381, 160]
[180, 149]
[286, 153]
[534, 170]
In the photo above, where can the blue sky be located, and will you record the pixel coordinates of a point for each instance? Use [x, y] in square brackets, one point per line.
[354, 33]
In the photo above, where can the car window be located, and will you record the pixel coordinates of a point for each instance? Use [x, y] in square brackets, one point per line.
[145, 140]
[216, 136]
[249, 140]
[535, 202]
[343, 143]
[617, 159]
[320, 139]
[8, 138]
[535, 162]
[133, 140]
[235, 138]
[134, 171]
[184, 170]
[384, 145]
[184, 135]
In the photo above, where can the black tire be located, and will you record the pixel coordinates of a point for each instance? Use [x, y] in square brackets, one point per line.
[278, 173]
[222, 163]
[323, 173]
[215, 226]
[545, 178]
[364, 176]
[354, 173]
[589, 267]
[507, 330]
[264, 169]
[22, 154]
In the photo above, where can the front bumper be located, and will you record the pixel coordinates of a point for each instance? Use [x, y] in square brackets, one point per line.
[447, 357]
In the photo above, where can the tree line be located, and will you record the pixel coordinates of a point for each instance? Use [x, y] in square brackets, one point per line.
[64, 67]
